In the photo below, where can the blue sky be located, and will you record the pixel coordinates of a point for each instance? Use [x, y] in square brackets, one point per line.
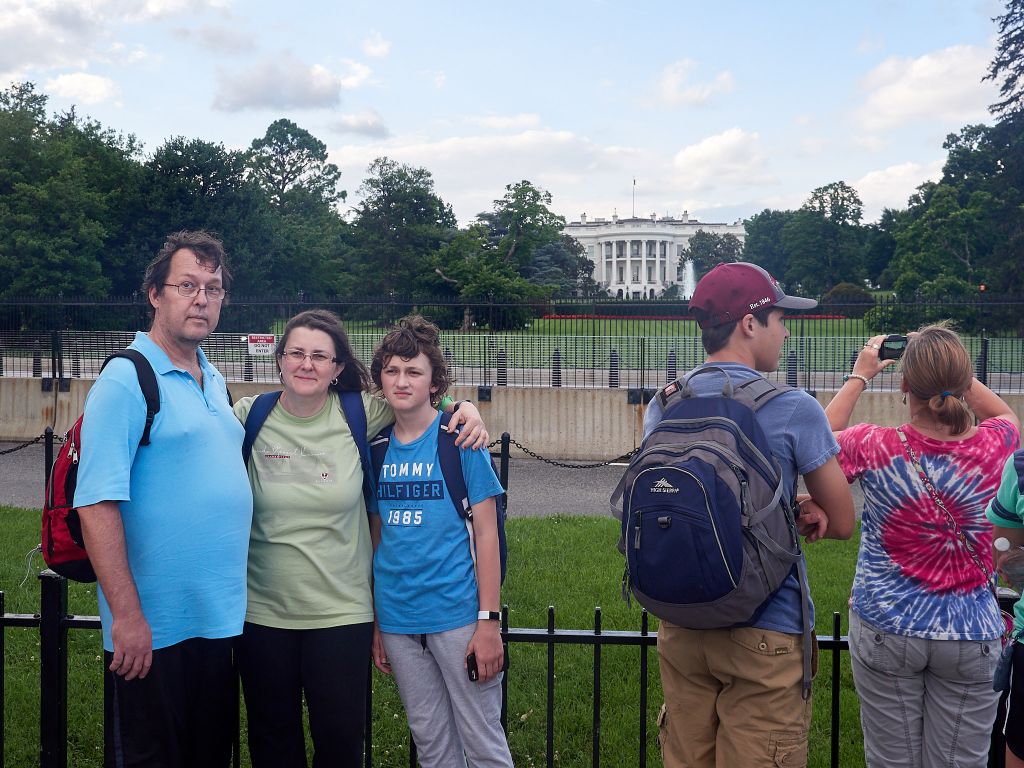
[721, 109]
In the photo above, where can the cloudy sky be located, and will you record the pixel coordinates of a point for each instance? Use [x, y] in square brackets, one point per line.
[721, 109]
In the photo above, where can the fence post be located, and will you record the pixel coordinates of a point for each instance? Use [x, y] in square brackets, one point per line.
[672, 367]
[556, 368]
[1, 361]
[982, 365]
[76, 368]
[503, 466]
[613, 369]
[247, 368]
[37, 362]
[53, 671]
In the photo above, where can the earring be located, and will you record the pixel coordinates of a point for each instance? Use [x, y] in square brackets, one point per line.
[334, 381]
[904, 398]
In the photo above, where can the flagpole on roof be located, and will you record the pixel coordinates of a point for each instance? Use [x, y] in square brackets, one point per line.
[634, 197]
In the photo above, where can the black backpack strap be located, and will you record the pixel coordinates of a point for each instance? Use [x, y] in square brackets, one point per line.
[254, 420]
[355, 414]
[147, 383]
[450, 458]
[378, 452]
[759, 391]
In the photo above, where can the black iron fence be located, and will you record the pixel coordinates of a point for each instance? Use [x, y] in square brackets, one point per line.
[54, 623]
[978, 315]
[594, 349]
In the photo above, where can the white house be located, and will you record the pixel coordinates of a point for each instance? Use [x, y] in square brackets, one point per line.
[639, 258]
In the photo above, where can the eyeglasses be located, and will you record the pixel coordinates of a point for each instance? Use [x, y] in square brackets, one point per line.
[296, 356]
[190, 290]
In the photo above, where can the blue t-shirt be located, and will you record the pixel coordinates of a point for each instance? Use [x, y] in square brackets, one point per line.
[423, 570]
[802, 441]
[185, 499]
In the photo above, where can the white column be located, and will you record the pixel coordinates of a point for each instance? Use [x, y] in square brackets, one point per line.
[643, 264]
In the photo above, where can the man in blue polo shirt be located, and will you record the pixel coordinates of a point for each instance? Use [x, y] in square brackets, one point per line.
[167, 524]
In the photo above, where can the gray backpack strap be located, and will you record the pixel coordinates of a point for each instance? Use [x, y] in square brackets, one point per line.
[757, 393]
[805, 612]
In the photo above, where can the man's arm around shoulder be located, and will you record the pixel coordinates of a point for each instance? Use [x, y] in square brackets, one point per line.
[103, 532]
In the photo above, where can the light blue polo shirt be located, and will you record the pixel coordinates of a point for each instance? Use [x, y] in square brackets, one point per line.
[185, 499]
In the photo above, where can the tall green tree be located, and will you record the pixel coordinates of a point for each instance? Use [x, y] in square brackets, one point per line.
[291, 164]
[763, 242]
[523, 222]
[1007, 67]
[399, 224]
[709, 249]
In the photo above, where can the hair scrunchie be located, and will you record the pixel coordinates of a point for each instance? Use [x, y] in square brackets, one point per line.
[944, 395]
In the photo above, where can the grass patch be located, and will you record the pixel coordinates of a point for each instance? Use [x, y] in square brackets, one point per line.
[567, 562]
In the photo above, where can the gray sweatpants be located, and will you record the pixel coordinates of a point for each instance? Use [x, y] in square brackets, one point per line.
[448, 714]
[923, 702]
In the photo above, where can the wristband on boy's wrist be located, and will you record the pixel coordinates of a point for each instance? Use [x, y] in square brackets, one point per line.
[488, 616]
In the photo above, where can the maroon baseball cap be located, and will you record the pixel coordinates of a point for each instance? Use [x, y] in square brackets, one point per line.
[730, 291]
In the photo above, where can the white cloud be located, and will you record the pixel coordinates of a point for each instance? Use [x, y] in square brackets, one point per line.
[506, 122]
[280, 81]
[83, 88]
[376, 46]
[674, 86]
[356, 74]
[46, 34]
[941, 86]
[216, 39]
[367, 123]
[890, 187]
[732, 158]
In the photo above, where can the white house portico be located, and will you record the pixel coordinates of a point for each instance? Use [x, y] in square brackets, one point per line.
[640, 258]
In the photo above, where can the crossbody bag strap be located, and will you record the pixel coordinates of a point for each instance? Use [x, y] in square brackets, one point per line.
[960, 533]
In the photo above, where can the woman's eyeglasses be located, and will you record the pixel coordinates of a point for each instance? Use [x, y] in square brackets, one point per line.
[296, 356]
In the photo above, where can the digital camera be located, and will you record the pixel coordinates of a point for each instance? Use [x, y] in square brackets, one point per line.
[892, 347]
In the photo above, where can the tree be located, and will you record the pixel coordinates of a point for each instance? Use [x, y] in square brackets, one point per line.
[399, 224]
[1007, 67]
[837, 202]
[563, 266]
[524, 222]
[709, 249]
[291, 164]
[763, 243]
[471, 268]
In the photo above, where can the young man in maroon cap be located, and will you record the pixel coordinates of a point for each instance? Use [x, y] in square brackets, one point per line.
[735, 696]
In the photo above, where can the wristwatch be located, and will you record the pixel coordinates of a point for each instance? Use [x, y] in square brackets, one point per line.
[488, 616]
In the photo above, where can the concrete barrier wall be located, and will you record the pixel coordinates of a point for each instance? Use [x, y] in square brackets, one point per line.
[575, 424]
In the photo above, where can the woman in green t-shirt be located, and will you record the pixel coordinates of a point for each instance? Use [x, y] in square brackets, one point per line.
[309, 620]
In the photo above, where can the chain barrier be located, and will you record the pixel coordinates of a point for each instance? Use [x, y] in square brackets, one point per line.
[563, 465]
[33, 441]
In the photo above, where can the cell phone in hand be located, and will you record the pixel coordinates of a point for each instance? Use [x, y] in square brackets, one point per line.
[471, 670]
[892, 347]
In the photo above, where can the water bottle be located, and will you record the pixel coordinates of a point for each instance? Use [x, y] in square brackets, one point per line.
[1013, 563]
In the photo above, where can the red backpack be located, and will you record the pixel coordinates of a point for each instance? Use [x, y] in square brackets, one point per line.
[62, 544]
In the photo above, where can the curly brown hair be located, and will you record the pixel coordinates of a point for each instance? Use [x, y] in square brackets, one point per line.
[410, 336]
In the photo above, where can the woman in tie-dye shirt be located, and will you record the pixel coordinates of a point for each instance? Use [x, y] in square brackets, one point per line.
[924, 625]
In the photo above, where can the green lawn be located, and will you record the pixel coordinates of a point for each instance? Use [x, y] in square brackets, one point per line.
[570, 563]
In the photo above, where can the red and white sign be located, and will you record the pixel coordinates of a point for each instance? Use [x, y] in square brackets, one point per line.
[262, 344]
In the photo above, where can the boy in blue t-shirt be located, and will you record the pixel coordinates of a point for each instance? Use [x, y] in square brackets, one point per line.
[436, 610]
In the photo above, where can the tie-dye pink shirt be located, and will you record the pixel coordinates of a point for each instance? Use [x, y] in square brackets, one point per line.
[913, 576]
